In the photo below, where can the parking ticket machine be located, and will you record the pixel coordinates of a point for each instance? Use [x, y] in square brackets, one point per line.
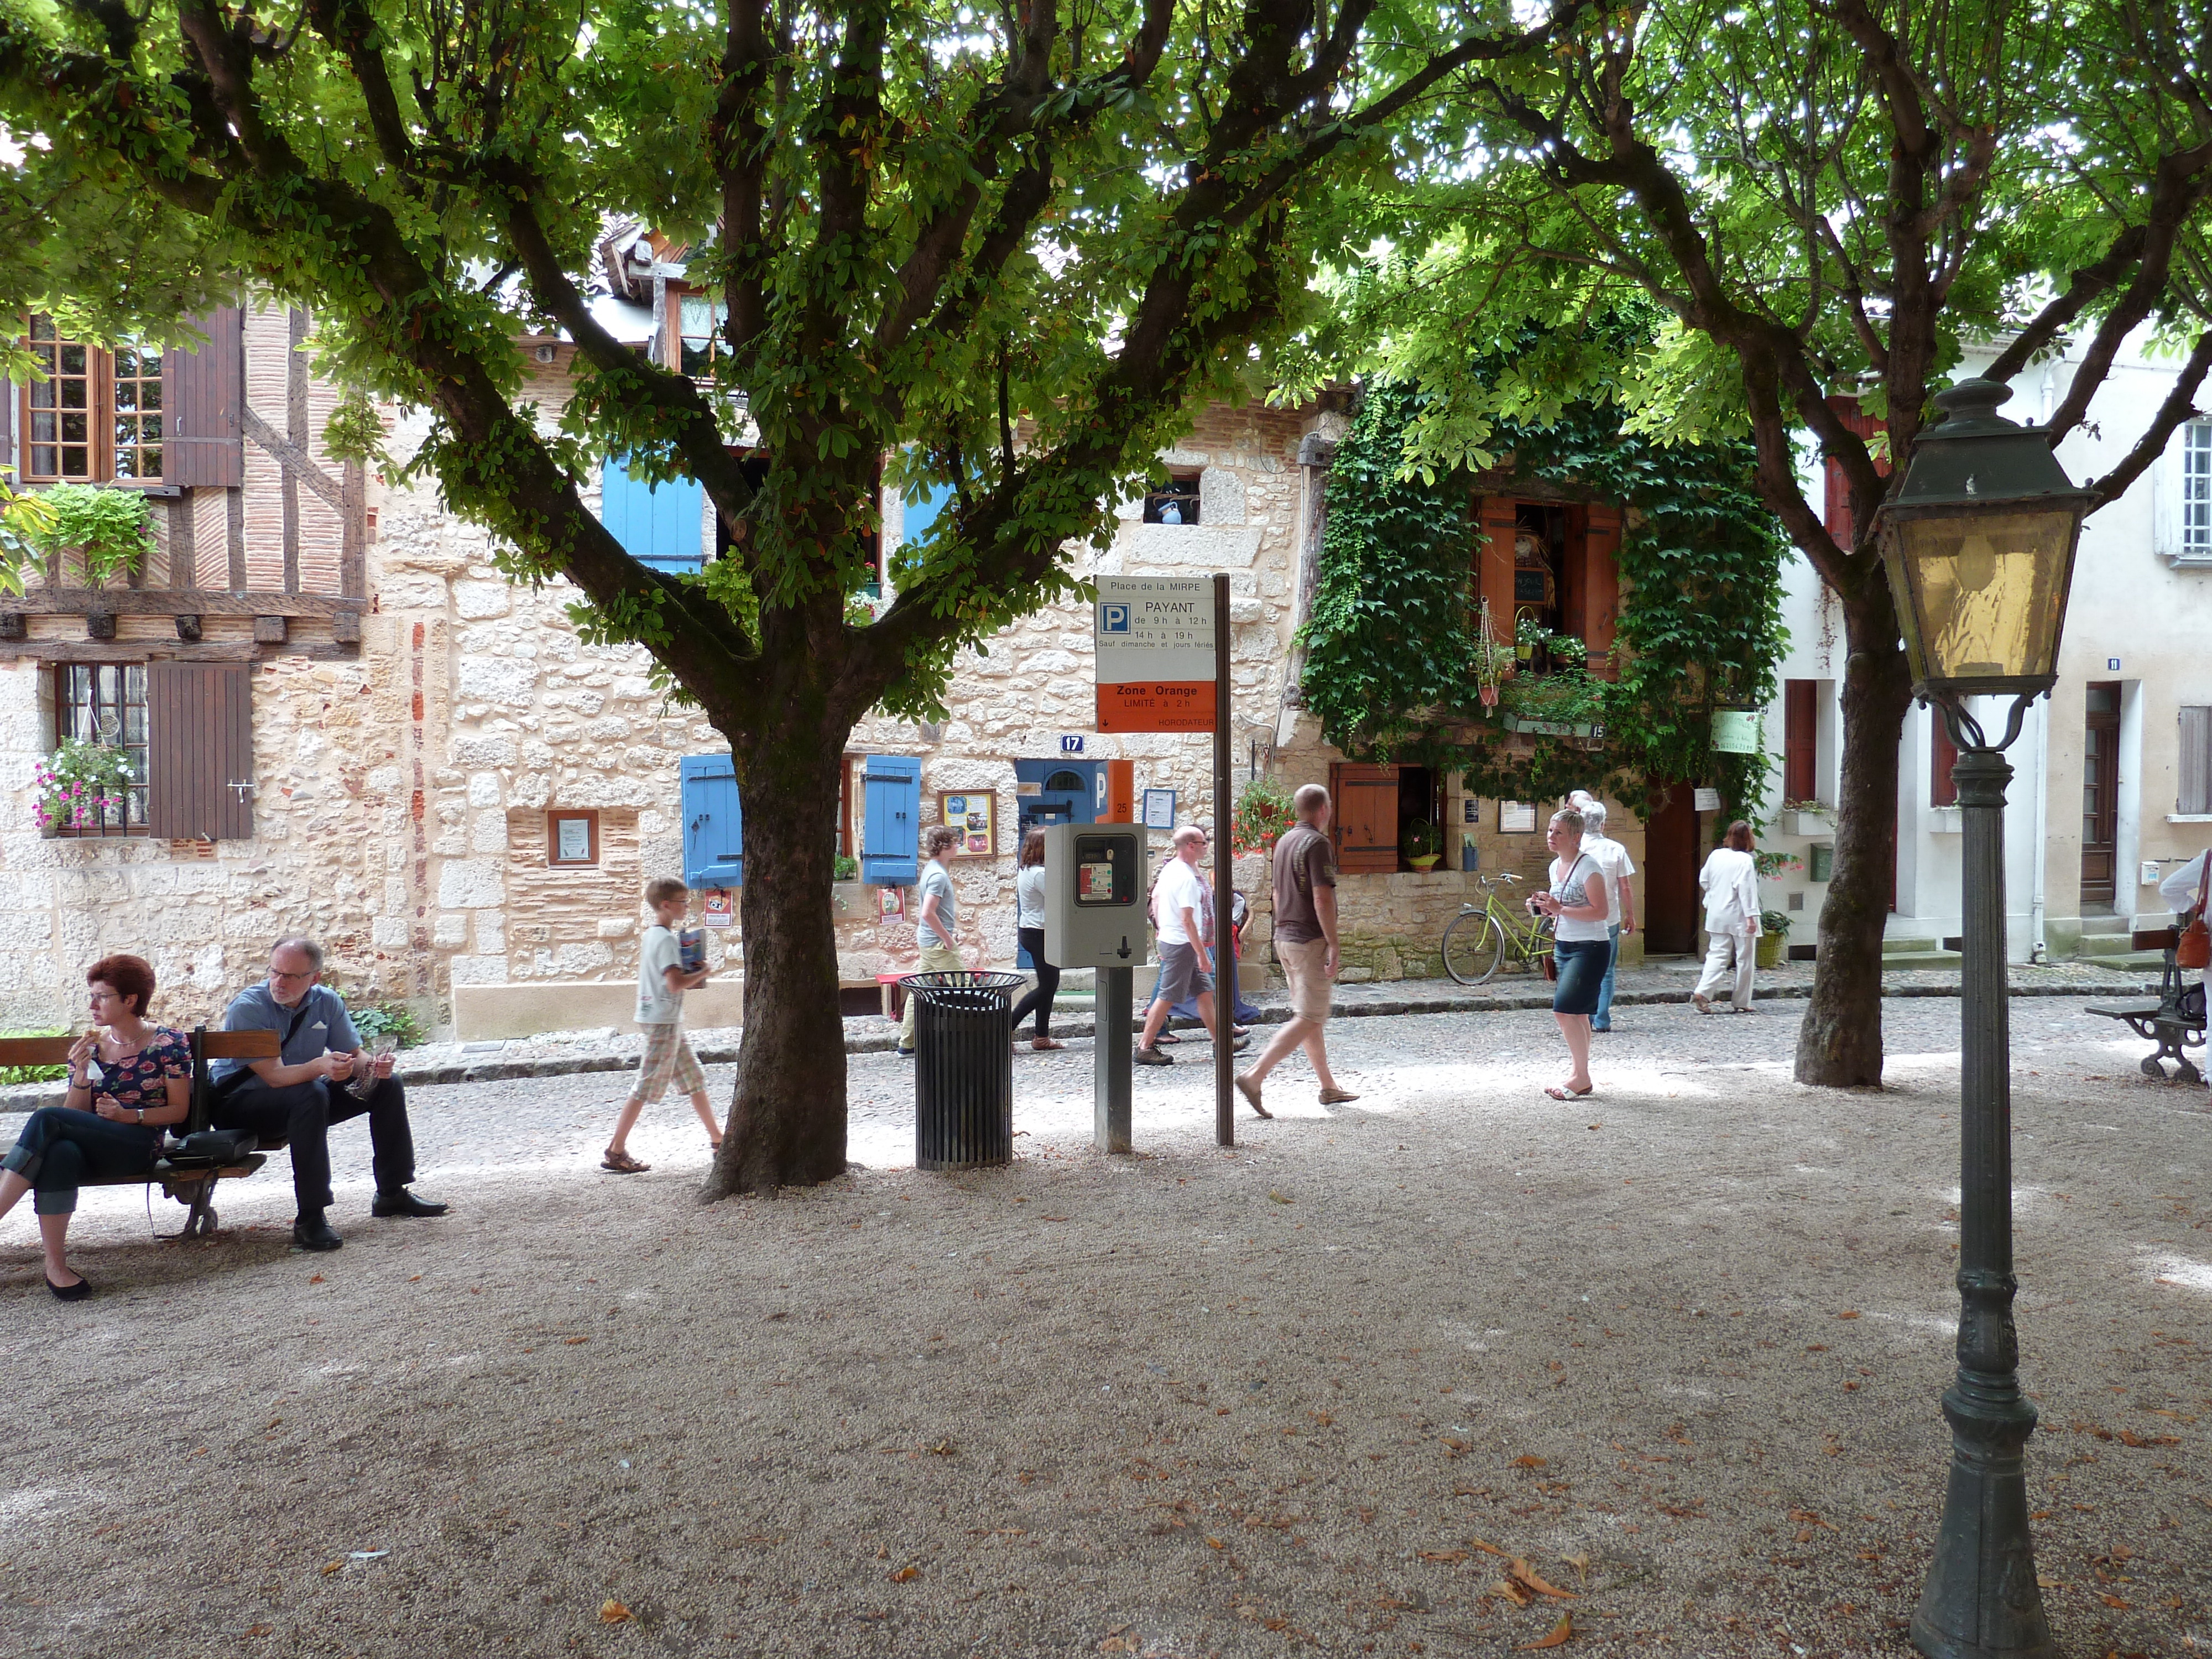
[1095, 891]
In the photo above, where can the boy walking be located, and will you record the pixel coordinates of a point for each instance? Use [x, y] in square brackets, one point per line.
[661, 983]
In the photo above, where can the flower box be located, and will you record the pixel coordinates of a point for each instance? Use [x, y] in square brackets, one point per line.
[1809, 821]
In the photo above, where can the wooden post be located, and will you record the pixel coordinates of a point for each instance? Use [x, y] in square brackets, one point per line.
[1224, 1003]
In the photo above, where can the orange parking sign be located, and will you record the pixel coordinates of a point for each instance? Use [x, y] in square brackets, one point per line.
[1156, 706]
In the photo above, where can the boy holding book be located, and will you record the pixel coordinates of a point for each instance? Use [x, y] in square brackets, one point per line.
[670, 962]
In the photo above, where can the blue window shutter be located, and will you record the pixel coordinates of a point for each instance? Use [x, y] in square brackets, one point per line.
[714, 823]
[891, 823]
[657, 524]
[922, 515]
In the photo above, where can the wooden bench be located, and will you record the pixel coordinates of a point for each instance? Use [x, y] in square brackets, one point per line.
[190, 1184]
[2175, 1022]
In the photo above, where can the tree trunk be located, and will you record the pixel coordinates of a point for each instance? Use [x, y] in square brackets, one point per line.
[787, 1123]
[1840, 1044]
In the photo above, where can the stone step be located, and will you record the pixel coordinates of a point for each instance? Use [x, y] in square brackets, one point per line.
[2097, 926]
[2151, 962]
[1901, 944]
[1928, 955]
[2101, 945]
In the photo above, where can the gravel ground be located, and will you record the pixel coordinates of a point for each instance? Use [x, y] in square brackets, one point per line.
[1678, 1348]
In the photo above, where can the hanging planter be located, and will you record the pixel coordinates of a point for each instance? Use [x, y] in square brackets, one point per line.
[80, 785]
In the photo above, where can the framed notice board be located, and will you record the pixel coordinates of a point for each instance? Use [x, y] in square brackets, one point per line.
[975, 814]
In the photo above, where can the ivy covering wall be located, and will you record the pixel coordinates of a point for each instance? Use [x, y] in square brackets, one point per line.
[1394, 639]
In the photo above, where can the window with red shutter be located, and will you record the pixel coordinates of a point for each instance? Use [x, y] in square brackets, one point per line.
[1364, 822]
[1801, 740]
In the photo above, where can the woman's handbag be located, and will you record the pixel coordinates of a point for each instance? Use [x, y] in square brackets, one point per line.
[2194, 948]
[1552, 963]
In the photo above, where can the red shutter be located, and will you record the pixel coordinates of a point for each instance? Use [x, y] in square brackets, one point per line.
[1364, 822]
[1837, 513]
[199, 751]
[205, 394]
[1943, 754]
[1801, 740]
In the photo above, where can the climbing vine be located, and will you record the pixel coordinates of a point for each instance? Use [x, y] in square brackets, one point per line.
[1395, 657]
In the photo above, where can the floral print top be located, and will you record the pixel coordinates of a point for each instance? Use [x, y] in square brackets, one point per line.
[142, 1079]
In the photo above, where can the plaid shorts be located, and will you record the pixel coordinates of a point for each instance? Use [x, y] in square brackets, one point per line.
[668, 1058]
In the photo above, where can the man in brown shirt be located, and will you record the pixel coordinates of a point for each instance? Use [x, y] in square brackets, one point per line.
[1305, 945]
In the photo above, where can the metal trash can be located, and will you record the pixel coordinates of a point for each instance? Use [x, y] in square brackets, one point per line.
[963, 1068]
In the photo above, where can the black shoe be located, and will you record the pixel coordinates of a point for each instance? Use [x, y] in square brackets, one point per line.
[400, 1201]
[315, 1235]
[905, 1054]
[76, 1292]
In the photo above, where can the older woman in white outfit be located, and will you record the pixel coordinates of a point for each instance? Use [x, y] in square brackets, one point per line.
[1730, 883]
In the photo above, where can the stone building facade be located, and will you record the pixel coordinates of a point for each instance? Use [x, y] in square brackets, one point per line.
[422, 730]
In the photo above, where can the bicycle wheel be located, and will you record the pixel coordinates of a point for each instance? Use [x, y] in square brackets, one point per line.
[1473, 948]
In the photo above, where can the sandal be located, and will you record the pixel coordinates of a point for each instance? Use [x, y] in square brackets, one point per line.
[622, 1164]
[1167, 1039]
[1565, 1093]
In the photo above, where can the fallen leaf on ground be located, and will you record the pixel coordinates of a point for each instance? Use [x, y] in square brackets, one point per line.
[1561, 1634]
[1477, 1543]
[942, 1448]
[1511, 1591]
[1579, 1562]
[2112, 1601]
[1216, 1544]
[1444, 1555]
[317, 1279]
[904, 1575]
[572, 1341]
[1527, 1461]
[330, 1567]
[1849, 1313]
[1528, 1575]
[2129, 1437]
[612, 1612]
[1280, 1198]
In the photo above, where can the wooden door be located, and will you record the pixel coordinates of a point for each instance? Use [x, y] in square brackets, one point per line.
[2100, 792]
[1670, 909]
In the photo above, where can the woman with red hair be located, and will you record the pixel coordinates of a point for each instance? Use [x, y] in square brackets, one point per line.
[128, 1080]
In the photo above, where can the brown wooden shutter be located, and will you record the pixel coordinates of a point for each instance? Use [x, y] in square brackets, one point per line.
[1801, 740]
[2195, 796]
[200, 750]
[8, 426]
[1365, 823]
[1943, 754]
[1836, 516]
[204, 391]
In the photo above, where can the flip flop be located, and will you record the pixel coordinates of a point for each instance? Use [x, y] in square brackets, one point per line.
[1570, 1094]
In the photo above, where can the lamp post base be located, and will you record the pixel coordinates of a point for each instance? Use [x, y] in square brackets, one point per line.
[1981, 1600]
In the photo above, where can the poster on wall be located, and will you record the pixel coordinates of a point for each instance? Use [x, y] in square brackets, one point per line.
[975, 814]
[1736, 732]
[1159, 809]
[721, 911]
[892, 903]
[1517, 817]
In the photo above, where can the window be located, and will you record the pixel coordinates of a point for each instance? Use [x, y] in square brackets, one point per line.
[698, 320]
[1364, 824]
[2195, 799]
[2197, 488]
[572, 839]
[105, 702]
[1175, 502]
[97, 416]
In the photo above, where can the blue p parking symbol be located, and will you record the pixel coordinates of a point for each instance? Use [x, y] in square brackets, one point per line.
[1113, 618]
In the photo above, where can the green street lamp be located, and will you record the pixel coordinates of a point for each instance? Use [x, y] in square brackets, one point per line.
[1978, 542]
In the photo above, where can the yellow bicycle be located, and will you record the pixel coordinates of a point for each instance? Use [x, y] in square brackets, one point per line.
[1483, 938]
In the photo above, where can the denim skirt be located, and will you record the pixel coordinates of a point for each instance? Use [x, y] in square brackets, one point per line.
[1582, 962]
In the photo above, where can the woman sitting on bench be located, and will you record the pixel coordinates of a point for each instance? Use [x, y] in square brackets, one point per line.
[105, 1129]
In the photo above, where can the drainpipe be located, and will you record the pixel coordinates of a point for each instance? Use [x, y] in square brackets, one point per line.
[2039, 951]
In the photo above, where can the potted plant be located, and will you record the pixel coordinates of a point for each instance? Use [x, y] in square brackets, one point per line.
[847, 895]
[1808, 818]
[1774, 934]
[1422, 844]
[1493, 660]
[1263, 813]
[79, 785]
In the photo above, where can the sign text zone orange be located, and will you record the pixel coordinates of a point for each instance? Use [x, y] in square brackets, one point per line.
[1156, 706]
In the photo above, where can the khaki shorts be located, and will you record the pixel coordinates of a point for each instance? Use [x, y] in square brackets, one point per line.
[1305, 965]
[668, 1058]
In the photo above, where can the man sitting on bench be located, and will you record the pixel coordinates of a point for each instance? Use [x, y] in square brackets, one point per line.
[303, 1091]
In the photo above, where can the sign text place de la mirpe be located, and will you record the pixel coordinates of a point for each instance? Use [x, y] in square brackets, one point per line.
[1154, 636]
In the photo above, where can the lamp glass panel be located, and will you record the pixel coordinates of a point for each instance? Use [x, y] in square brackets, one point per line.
[1987, 587]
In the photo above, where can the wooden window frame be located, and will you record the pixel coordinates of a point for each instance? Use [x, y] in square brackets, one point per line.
[60, 675]
[554, 819]
[100, 398]
[1182, 488]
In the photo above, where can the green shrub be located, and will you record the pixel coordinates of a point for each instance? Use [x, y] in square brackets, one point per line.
[394, 1020]
[110, 527]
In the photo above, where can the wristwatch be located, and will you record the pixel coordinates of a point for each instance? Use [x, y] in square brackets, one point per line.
[141, 1116]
